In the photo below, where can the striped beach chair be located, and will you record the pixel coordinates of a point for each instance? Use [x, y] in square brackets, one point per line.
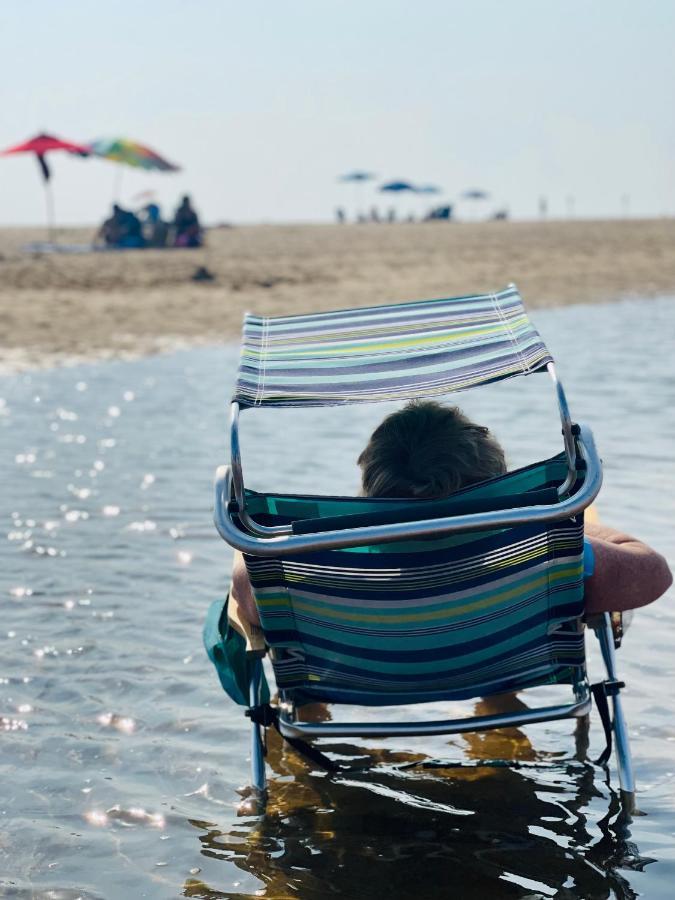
[391, 602]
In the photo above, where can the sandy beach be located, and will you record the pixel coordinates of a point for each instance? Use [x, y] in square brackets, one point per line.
[61, 307]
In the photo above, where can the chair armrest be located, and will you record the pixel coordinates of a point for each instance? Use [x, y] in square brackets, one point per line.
[280, 539]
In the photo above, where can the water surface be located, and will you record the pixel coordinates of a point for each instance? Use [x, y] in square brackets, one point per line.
[121, 756]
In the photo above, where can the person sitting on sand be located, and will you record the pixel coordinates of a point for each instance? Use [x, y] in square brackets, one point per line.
[132, 230]
[122, 230]
[188, 232]
[155, 229]
[429, 451]
[109, 233]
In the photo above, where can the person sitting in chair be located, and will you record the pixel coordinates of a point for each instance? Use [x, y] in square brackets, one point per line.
[428, 451]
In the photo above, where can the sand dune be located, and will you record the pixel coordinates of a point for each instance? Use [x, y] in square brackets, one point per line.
[60, 307]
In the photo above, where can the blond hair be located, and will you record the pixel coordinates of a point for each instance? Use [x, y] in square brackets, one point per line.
[428, 451]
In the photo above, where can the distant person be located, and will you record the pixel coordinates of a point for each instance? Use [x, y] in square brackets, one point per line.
[132, 230]
[187, 230]
[340, 216]
[391, 215]
[122, 230]
[374, 214]
[439, 212]
[155, 229]
[110, 231]
[543, 207]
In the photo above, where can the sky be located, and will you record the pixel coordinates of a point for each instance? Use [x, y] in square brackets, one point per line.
[264, 104]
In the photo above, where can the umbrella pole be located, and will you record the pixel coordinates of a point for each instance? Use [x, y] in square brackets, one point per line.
[117, 183]
[49, 198]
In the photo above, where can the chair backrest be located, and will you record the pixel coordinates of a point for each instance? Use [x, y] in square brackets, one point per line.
[451, 617]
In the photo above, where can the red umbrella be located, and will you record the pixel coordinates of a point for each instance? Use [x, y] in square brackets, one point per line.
[40, 145]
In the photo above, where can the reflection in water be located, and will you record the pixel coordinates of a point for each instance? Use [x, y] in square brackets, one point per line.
[519, 831]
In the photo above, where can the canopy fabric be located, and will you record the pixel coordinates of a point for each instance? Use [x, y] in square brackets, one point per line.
[131, 153]
[397, 186]
[43, 143]
[398, 352]
[356, 177]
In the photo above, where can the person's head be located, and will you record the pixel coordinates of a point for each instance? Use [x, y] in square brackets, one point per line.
[428, 451]
[185, 201]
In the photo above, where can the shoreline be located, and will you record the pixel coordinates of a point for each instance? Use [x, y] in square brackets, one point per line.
[18, 361]
[62, 309]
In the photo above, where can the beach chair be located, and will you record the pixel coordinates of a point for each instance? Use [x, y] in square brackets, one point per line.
[392, 602]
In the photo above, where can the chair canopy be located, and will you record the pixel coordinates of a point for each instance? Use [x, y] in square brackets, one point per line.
[397, 352]
[449, 617]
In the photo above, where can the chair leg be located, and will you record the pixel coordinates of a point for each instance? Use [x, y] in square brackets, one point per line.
[255, 800]
[623, 758]
[603, 631]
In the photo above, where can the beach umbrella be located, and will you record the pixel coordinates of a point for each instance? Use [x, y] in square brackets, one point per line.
[475, 194]
[40, 145]
[129, 153]
[397, 187]
[358, 178]
[427, 190]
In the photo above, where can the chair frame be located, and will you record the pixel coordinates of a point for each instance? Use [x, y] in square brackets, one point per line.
[240, 531]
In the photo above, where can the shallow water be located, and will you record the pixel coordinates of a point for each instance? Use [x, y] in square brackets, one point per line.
[121, 755]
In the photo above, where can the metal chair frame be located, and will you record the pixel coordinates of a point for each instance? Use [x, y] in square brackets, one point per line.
[238, 529]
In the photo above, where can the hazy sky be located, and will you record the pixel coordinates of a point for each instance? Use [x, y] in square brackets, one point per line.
[264, 103]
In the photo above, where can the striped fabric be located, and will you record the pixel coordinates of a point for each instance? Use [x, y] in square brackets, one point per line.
[445, 618]
[398, 352]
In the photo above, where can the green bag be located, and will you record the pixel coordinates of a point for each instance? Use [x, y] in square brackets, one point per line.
[226, 649]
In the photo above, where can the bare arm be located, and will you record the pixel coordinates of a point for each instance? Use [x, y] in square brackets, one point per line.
[241, 591]
[628, 573]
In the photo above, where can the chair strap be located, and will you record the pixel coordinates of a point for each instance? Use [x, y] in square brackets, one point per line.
[267, 715]
[601, 691]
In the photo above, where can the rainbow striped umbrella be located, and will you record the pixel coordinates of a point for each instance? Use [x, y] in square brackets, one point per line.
[131, 153]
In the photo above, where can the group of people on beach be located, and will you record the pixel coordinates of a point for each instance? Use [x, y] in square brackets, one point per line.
[444, 213]
[125, 229]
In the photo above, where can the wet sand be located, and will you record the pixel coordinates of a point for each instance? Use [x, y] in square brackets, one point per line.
[56, 308]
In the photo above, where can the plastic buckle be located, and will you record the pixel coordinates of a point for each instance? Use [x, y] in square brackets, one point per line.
[611, 687]
[264, 715]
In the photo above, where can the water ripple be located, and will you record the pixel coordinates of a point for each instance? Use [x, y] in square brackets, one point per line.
[121, 756]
